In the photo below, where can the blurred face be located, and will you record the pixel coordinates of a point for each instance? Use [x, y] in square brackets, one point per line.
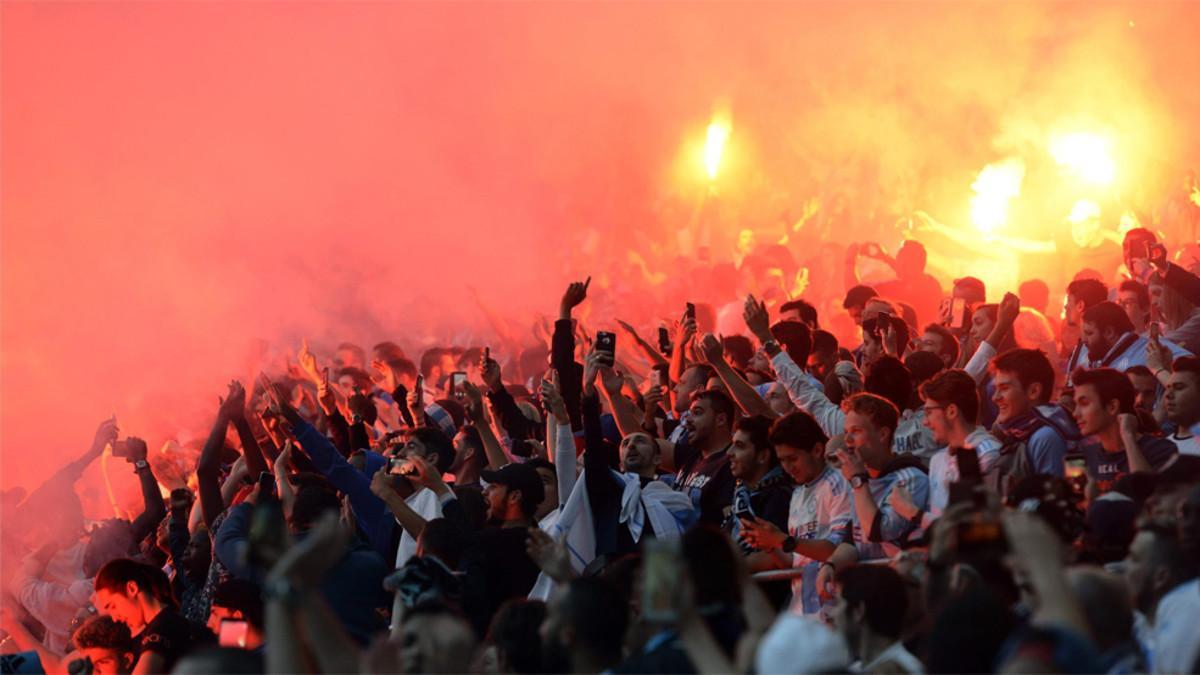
[118, 607]
[550, 488]
[702, 423]
[982, 324]
[1073, 310]
[804, 466]
[197, 556]
[1137, 314]
[639, 453]
[933, 343]
[1091, 414]
[1146, 388]
[856, 313]
[746, 462]
[822, 363]
[1011, 398]
[347, 357]
[1097, 340]
[760, 361]
[463, 451]
[496, 496]
[556, 652]
[1157, 297]
[1183, 399]
[872, 348]
[104, 661]
[688, 385]
[872, 443]
[777, 398]
[844, 620]
[346, 384]
[1139, 572]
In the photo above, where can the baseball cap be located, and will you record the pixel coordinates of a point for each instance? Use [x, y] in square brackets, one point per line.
[519, 477]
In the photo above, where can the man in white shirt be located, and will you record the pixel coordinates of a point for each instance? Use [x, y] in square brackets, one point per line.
[1167, 594]
[869, 613]
[1109, 340]
[952, 413]
[1182, 404]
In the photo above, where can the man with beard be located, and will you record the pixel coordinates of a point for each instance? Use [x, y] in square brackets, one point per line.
[1162, 580]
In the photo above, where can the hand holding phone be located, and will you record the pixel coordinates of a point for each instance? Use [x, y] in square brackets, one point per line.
[457, 379]
[606, 347]
[233, 633]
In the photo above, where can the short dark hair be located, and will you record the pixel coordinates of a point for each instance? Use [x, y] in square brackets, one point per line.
[540, 463]
[923, 365]
[808, 313]
[1031, 366]
[954, 387]
[445, 539]
[435, 440]
[881, 412]
[361, 379]
[1110, 385]
[242, 596]
[1108, 314]
[949, 342]
[472, 438]
[739, 348]
[759, 429]
[880, 591]
[310, 503]
[796, 339]
[599, 613]
[102, 632]
[1139, 370]
[515, 633]
[403, 366]
[1090, 291]
[720, 402]
[889, 378]
[431, 357]
[824, 341]
[116, 574]
[1187, 364]
[798, 430]
[705, 370]
[1138, 289]
[388, 350]
[858, 296]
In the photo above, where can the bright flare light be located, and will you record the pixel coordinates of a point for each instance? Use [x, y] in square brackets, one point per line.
[996, 185]
[1083, 211]
[1085, 155]
[714, 146]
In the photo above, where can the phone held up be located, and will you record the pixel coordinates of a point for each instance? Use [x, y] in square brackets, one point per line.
[233, 633]
[606, 346]
[457, 379]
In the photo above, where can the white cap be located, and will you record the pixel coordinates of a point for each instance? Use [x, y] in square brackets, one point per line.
[799, 644]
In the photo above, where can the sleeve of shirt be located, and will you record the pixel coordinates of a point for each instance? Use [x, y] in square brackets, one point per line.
[1157, 451]
[368, 509]
[43, 599]
[837, 508]
[889, 525]
[565, 459]
[989, 453]
[807, 397]
[231, 540]
[570, 374]
[1047, 452]
[977, 367]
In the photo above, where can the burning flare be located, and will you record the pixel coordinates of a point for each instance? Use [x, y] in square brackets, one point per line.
[714, 146]
[1083, 211]
[1087, 156]
[995, 187]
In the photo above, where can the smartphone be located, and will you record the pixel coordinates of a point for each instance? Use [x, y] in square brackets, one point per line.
[1154, 331]
[690, 312]
[120, 449]
[457, 379]
[958, 313]
[658, 376]
[968, 464]
[741, 506]
[233, 633]
[662, 571]
[266, 485]
[606, 344]
[664, 341]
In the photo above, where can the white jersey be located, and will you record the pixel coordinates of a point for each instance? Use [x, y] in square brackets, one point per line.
[819, 510]
[1186, 446]
[943, 469]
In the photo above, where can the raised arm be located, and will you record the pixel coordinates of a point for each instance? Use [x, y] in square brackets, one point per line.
[624, 411]
[153, 509]
[649, 351]
[1006, 316]
[509, 415]
[559, 438]
[742, 392]
[562, 350]
[479, 417]
[236, 412]
[208, 468]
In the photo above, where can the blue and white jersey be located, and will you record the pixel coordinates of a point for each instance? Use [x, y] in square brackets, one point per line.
[819, 509]
[943, 469]
[892, 526]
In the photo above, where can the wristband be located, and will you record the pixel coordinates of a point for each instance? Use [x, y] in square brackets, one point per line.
[789, 544]
[140, 466]
[1161, 370]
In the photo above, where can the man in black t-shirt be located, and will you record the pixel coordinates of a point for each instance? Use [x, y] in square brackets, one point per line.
[704, 462]
[138, 595]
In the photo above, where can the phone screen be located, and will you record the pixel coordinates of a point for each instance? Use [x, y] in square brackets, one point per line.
[457, 379]
[233, 633]
[661, 588]
[690, 312]
[958, 313]
[606, 343]
[664, 341]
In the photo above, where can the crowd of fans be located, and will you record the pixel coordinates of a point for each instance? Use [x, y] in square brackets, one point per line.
[971, 486]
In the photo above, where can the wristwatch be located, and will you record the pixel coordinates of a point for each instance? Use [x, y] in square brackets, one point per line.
[140, 466]
[789, 544]
[771, 347]
[859, 479]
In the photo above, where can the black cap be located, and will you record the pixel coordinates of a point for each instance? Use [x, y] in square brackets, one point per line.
[519, 477]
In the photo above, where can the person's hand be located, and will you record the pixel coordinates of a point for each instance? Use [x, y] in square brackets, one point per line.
[550, 556]
[387, 377]
[710, 349]
[902, 503]
[233, 405]
[1031, 540]
[1158, 253]
[106, 434]
[325, 394]
[944, 309]
[687, 332]
[489, 369]
[552, 397]
[612, 381]
[137, 449]
[308, 560]
[754, 313]
[238, 470]
[1128, 424]
[1157, 356]
[851, 462]
[625, 326]
[825, 579]
[308, 362]
[652, 399]
[284, 459]
[1009, 310]
[473, 401]
[428, 475]
[416, 401]
[180, 501]
[591, 368]
[381, 484]
[762, 534]
[891, 339]
[575, 294]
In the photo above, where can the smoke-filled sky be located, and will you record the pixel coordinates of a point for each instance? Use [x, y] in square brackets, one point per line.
[182, 179]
